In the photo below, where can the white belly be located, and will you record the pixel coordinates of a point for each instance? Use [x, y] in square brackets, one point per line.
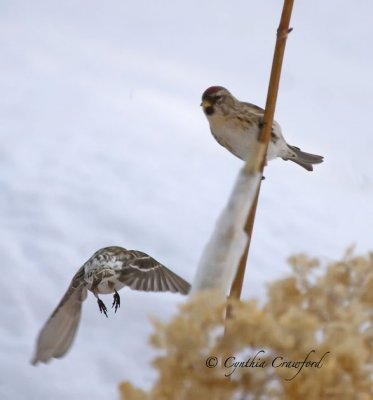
[241, 142]
[103, 279]
[108, 286]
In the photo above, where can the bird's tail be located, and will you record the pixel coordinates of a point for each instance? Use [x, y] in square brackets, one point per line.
[305, 160]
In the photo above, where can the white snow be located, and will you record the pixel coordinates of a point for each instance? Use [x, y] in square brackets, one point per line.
[103, 143]
[222, 254]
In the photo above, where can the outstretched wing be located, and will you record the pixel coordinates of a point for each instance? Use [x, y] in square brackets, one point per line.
[59, 331]
[142, 272]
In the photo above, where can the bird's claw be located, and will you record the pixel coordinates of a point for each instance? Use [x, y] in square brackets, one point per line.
[102, 307]
[116, 301]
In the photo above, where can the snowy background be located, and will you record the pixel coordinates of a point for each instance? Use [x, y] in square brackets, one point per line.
[103, 143]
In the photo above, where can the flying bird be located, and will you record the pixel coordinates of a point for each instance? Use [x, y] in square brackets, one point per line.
[107, 271]
[236, 126]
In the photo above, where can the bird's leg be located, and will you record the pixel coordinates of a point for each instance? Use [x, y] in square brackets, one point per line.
[101, 305]
[116, 301]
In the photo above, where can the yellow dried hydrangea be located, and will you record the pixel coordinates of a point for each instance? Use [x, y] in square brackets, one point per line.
[321, 312]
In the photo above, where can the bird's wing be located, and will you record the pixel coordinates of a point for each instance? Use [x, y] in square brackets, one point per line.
[142, 272]
[259, 112]
[59, 331]
[254, 108]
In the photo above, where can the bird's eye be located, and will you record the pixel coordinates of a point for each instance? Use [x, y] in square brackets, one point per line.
[218, 99]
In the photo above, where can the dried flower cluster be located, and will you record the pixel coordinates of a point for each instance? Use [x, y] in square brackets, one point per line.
[265, 351]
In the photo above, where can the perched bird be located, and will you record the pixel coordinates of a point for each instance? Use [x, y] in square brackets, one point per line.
[107, 271]
[236, 126]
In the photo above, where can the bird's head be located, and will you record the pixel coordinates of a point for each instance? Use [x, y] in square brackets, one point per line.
[214, 98]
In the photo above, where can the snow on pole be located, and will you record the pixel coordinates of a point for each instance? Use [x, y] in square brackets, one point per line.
[221, 256]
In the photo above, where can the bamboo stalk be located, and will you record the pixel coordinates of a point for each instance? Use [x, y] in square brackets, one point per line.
[265, 135]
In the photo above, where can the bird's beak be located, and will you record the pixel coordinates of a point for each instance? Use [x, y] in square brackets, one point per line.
[206, 103]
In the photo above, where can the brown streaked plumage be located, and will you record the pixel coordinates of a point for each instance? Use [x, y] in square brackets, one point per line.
[236, 126]
[107, 271]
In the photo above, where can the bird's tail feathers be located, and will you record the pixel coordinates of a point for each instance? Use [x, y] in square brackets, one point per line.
[305, 160]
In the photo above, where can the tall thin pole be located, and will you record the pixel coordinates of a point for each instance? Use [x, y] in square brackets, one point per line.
[265, 134]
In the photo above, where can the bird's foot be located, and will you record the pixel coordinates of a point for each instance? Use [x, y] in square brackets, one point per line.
[116, 301]
[102, 307]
